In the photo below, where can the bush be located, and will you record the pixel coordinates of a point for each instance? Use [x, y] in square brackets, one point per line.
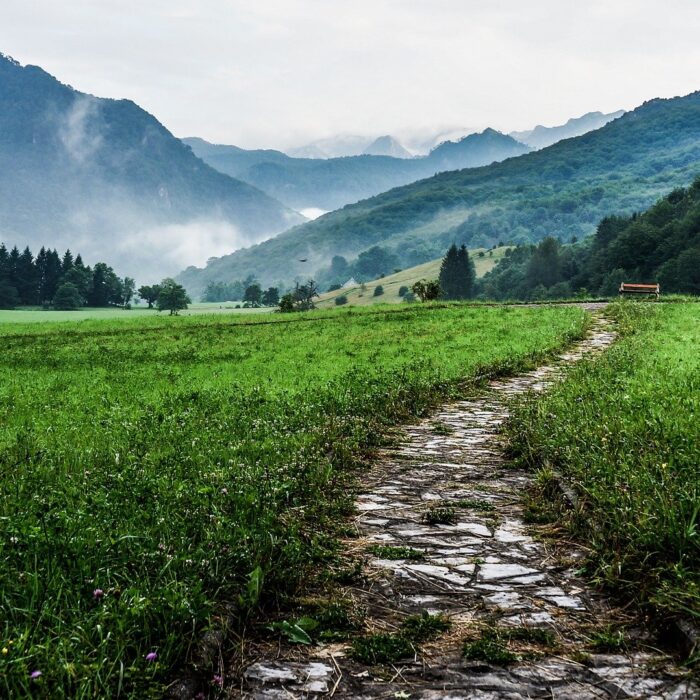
[342, 299]
[403, 290]
[378, 290]
[67, 298]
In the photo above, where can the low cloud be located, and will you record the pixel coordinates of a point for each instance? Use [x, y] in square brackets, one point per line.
[79, 131]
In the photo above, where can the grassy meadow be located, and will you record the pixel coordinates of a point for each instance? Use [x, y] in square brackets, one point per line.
[407, 278]
[625, 428]
[160, 474]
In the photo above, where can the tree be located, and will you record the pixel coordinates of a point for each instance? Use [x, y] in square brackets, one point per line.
[67, 298]
[8, 295]
[107, 289]
[271, 297]
[81, 278]
[286, 304]
[173, 297]
[67, 261]
[545, 265]
[373, 262]
[128, 289]
[253, 294]
[378, 290]
[341, 300]
[403, 290]
[426, 291]
[457, 274]
[304, 294]
[149, 293]
[26, 280]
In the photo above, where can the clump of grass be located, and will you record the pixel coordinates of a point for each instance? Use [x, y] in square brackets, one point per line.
[489, 647]
[381, 649]
[608, 640]
[440, 515]
[440, 428]
[476, 504]
[383, 551]
[421, 628]
[530, 635]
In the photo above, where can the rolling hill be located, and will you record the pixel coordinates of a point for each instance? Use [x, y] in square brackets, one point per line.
[311, 183]
[484, 261]
[563, 190]
[105, 177]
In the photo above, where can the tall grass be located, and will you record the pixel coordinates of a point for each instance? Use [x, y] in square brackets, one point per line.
[154, 476]
[626, 429]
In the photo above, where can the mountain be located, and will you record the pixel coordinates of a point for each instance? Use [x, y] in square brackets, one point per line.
[339, 146]
[305, 183]
[543, 136]
[386, 146]
[563, 190]
[660, 245]
[105, 177]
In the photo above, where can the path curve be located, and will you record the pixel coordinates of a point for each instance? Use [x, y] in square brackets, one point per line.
[487, 568]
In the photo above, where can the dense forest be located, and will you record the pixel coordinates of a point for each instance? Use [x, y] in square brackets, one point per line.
[661, 245]
[563, 190]
[62, 282]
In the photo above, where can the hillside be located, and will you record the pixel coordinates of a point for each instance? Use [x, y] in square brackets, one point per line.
[306, 183]
[661, 245]
[484, 260]
[106, 177]
[564, 190]
[543, 136]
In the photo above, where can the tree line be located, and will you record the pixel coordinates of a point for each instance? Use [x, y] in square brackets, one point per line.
[61, 282]
[660, 245]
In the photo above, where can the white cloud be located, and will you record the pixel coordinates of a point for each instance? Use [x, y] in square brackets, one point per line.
[278, 72]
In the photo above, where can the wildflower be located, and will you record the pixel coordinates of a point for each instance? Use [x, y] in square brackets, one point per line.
[5, 651]
[224, 490]
[98, 594]
[34, 675]
[151, 656]
[218, 680]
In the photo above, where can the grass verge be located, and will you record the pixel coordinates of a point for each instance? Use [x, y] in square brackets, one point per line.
[625, 429]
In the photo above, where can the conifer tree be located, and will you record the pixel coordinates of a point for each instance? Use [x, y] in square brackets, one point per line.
[457, 274]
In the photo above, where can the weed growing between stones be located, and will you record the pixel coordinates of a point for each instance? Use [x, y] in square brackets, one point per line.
[476, 504]
[440, 428]
[489, 647]
[440, 515]
[421, 628]
[383, 551]
[382, 649]
[608, 640]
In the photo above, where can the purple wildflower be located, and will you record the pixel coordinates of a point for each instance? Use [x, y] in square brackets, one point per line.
[218, 680]
[151, 656]
[98, 593]
[34, 675]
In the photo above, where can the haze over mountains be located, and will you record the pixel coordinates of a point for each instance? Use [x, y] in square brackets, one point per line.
[543, 136]
[304, 183]
[562, 190]
[105, 177]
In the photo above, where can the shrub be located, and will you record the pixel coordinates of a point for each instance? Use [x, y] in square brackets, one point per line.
[378, 290]
[403, 290]
[342, 299]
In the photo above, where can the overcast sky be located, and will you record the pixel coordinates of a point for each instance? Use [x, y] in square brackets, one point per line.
[277, 73]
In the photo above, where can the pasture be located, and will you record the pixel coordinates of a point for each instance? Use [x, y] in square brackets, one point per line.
[158, 475]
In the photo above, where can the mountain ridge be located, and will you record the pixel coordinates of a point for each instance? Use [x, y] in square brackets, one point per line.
[105, 176]
[564, 189]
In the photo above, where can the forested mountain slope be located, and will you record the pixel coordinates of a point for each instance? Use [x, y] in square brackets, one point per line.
[563, 190]
[661, 245]
[106, 177]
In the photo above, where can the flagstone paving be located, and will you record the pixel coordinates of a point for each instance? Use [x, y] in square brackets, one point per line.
[485, 569]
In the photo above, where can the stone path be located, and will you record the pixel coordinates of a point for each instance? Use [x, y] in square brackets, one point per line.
[484, 569]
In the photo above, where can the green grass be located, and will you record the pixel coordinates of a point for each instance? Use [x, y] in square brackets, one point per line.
[382, 649]
[356, 296]
[423, 627]
[440, 515]
[141, 311]
[158, 473]
[384, 551]
[625, 428]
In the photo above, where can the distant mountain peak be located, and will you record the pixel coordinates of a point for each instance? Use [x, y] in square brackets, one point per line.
[386, 146]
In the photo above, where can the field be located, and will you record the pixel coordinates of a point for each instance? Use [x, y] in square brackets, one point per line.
[38, 315]
[406, 278]
[626, 430]
[160, 474]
